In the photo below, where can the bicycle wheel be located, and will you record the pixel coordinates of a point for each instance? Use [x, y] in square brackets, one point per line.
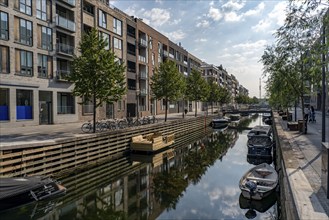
[86, 127]
[137, 123]
[123, 124]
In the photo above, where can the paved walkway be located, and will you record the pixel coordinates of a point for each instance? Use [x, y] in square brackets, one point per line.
[303, 163]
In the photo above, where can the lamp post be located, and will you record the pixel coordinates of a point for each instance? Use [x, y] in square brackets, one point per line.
[323, 86]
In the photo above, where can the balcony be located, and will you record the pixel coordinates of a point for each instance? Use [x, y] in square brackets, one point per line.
[142, 42]
[143, 75]
[165, 53]
[65, 23]
[65, 49]
[70, 2]
[61, 75]
[143, 92]
[142, 58]
[171, 56]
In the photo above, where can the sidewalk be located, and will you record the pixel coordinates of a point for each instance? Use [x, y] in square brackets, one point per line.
[303, 164]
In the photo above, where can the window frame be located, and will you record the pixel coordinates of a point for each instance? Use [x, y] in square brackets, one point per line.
[24, 59]
[116, 27]
[25, 5]
[45, 66]
[102, 19]
[119, 43]
[25, 38]
[70, 99]
[47, 43]
[41, 9]
[6, 63]
[4, 30]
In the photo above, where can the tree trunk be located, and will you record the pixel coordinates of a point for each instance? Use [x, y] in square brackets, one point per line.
[183, 108]
[94, 114]
[166, 101]
[303, 116]
[212, 107]
[196, 110]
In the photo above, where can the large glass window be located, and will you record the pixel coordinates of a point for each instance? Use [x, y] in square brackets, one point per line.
[25, 6]
[4, 2]
[117, 43]
[106, 37]
[4, 59]
[101, 19]
[4, 104]
[24, 104]
[44, 66]
[65, 103]
[117, 26]
[4, 26]
[131, 84]
[42, 9]
[24, 64]
[88, 8]
[46, 38]
[25, 32]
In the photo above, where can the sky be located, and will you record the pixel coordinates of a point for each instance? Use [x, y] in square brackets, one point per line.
[231, 33]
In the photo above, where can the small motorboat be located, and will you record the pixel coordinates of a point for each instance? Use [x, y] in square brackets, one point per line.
[260, 129]
[235, 117]
[259, 182]
[260, 146]
[258, 160]
[16, 191]
[219, 122]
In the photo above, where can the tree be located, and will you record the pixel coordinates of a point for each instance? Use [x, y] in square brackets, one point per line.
[214, 94]
[197, 88]
[167, 83]
[224, 96]
[97, 74]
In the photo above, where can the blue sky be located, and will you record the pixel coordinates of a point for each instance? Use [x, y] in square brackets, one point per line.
[233, 33]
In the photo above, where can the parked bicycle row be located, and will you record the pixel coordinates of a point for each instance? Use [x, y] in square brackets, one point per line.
[113, 124]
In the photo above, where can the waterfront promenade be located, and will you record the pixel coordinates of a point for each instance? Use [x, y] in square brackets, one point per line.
[303, 164]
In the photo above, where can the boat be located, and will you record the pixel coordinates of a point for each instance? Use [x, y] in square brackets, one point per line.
[220, 122]
[260, 129]
[151, 142]
[17, 191]
[235, 117]
[258, 182]
[266, 116]
[260, 145]
[258, 160]
[155, 159]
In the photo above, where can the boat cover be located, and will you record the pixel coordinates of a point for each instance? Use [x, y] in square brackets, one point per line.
[11, 186]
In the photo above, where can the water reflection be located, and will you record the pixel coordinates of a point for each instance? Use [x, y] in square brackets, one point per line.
[195, 179]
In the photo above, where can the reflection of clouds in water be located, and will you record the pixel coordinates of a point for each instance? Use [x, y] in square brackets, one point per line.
[194, 211]
[215, 194]
[231, 191]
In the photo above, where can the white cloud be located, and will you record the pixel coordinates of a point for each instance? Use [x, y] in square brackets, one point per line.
[278, 13]
[157, 16]
[251, 46]
[175, 21]
[260, 7]
[233, 17]
[203, 24]
[262, 25]
[233, 5]
[215, 14]
[201, 40]
[175, 35]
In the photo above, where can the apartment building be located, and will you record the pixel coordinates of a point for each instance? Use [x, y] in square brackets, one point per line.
[38, 41]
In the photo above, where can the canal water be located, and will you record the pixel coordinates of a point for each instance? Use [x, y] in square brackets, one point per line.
[197, 178]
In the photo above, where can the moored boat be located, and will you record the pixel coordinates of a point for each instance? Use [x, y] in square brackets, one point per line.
[151, 142]
[16, 191]
[260, 129]
[259, 182]
[260, 146]
[219, 122]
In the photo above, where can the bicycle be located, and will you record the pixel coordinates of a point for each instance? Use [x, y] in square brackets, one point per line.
[88, 126]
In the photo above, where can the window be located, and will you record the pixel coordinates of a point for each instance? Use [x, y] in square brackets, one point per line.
[46, 35]
[4, 2]
[24, 64]
[131, 31]
[25, 6]
[131, 84]
[24, 104]
[153, 59]
[4, 104]
[25, 32]
[117, 26]
[4, 59]
[4, 26]
[101, 19]
[151, 43]
[131, 66]
[106, 38]
[65, 103]
[88, 8]
[42, 9]
[44, 66]
[117, 43]
[131, 49]
[87, 107]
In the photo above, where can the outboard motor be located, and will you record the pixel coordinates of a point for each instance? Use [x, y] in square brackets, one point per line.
[251, 185]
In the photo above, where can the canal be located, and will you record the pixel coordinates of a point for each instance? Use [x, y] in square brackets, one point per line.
[197, 178]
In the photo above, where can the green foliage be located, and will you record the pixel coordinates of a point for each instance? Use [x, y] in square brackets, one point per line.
[224, 96]
[214, 93]
[96, 73]
[242, 99]
[197, 88]
[167, 83]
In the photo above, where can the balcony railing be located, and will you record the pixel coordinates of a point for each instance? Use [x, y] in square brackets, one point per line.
[142, 58]
[142, 108]
[65, 23]
[143, 92]
[165, 53]
[62, 75]
[70, 2]
[142, 75]
[171, 55]
[142, 42]
[64, 48]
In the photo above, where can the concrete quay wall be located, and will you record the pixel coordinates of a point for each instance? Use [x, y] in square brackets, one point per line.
[67, 154]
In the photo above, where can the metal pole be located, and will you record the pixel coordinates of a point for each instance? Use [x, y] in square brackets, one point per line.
[323, 87]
